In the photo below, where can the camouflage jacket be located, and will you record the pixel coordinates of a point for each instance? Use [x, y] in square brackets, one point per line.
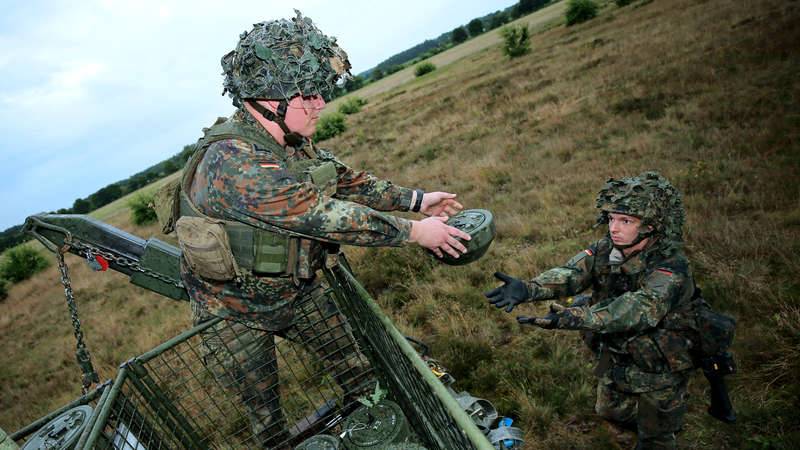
[236, 176]
[634, 306]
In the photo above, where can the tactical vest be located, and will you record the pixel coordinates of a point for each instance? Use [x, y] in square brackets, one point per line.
[663, 349]
[272, 251]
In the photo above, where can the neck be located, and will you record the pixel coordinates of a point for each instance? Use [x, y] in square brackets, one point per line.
[271, 127]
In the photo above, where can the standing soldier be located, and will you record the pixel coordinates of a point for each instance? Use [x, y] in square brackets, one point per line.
[261, 209]
[641, 284]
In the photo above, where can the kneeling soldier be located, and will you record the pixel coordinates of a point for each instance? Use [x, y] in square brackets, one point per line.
[640, 281]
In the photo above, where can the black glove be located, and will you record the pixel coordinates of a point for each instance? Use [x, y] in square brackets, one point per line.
[547, 322]
[510, 294]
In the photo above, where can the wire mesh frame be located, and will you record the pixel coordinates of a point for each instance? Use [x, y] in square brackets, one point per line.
[433, 412]
[169, 397]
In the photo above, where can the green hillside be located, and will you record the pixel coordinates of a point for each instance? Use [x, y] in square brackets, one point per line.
[706, 92]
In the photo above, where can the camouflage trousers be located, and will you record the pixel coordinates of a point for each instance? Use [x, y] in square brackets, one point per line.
[656, 415]
[246, 361]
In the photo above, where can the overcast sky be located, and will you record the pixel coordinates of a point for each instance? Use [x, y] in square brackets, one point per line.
[94, 91]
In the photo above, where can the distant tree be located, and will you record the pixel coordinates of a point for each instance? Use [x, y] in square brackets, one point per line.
[81, 206]
[64, 211]
[329, 125]
[475, 27]
[516, 40]
[622, 3]
[105, 195]
[354, 83]
[459, 35]
[171, 167]
[186, 153]
[20, 263]
[3, 288]
[423, 68]
[142, 211]
[498, 20]
[528, 6]
[580, 11]
[352, 105]
[377, 74]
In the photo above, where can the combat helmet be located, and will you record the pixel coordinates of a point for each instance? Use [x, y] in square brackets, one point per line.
[279, 59]
[651, 198]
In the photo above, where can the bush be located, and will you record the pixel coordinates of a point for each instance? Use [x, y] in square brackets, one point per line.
[3, 289]
[22, 263]
[516, 40]
[329, 125]
[580, 11]
[622, 3]
[352, 105]
[423, 68]
[142, 211]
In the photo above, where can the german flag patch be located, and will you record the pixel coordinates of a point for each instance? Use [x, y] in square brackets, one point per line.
[588, 252]
[664, 271]
[269, 165]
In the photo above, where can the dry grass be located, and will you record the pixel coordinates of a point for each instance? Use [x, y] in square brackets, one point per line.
[705, 92]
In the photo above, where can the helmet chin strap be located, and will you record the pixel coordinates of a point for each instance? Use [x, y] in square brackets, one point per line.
[639, 238]
[292, 138]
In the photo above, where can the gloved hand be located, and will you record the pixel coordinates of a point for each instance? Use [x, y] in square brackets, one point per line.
[510, 294]
[547, 322]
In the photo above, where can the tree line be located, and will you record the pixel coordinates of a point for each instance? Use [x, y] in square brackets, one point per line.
[430, 47]
[107, 194]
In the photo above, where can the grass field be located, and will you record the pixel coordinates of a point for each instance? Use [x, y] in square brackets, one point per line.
[706, 92]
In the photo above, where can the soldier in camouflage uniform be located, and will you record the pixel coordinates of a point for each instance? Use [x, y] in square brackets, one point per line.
[640, 279]
[285, 206]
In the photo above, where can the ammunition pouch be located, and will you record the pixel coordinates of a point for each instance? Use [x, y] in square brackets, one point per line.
[206, 248]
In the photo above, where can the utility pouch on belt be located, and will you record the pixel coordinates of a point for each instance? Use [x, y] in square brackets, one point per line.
[206, 248]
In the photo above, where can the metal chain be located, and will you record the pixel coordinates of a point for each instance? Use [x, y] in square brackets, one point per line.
[89, 375]
[89, 251]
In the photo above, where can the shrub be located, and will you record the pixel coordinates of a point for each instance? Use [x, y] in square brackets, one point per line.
[142, 211]
[329, 125]
[580, 11]
[3, 289]
[516, 40]
[622, 3]
[352, 105]
[423, 68]
[22, 263]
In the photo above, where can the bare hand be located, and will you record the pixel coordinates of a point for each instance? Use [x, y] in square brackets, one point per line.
[440, 204]
[435, 235]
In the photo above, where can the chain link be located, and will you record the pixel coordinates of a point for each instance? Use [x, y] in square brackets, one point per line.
[81, 353]
[89, 252]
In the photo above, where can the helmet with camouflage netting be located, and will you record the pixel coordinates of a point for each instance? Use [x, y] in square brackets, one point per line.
[651, 198]
[279, 59]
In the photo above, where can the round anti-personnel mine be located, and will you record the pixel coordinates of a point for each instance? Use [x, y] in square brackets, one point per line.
[61, 433]
[376, 427]
[319, 442]
[479, 224]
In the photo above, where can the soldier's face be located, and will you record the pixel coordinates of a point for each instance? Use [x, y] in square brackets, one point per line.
[303, 113]
[623, 228]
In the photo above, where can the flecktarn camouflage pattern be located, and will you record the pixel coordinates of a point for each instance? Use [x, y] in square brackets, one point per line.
[648, 196]
[279, 59]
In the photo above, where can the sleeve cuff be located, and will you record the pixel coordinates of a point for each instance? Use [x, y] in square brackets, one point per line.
[405, 198]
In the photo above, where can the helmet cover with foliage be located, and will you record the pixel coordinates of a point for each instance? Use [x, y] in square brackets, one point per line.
[279, 59]
[651, 198]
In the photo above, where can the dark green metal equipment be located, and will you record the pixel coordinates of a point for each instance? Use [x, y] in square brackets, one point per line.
[173, 398]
